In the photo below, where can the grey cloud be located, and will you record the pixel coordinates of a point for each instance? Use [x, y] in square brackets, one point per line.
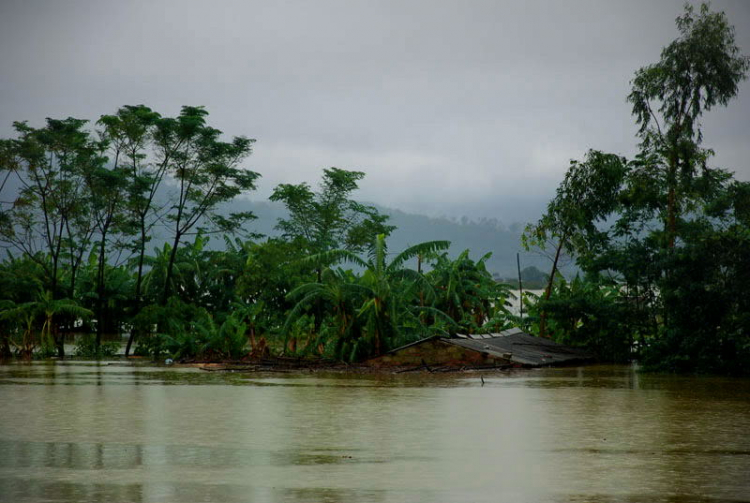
[450, 107]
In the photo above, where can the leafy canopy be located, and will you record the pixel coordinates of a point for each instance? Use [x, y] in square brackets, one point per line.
[329, 219]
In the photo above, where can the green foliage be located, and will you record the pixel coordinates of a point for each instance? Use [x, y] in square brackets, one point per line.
[129, 136]
[78, 188]
[467, 293]
[591, 313]
[586, 197]
[662, 240]
[702, 68]
[370, 314]
[95, 192]
[31, 323]
[208, 173]
[52, 207]
[113, 285]
[329, 219]
[190, 271]
[19, 329]
[183, 331]
[272, 269]
[675, 291]
[707, 309]
[158, 324]
[87, 347]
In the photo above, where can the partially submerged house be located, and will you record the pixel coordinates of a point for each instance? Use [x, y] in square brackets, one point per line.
[509, 348]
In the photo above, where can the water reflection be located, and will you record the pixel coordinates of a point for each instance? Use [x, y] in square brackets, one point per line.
[81, 456]
[75, 432]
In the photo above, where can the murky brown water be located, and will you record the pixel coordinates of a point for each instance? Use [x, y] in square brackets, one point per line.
[79, 432]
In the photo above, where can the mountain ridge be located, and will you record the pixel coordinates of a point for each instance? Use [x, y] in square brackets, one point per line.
[478, 236]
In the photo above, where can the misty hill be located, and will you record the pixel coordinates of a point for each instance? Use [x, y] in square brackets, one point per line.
[479, 237]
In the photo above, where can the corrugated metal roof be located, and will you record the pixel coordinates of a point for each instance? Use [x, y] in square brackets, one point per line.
[520, 347]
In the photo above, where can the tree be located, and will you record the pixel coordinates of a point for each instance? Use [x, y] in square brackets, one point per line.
[674, 283]
[207, 173]
[44, 308]
[7, 168]
[702, 68]
[271, 270]
[187, 264]
[51, 212]
[20, 279]
[106, 188]
[108, 294]
[587, 196]
[339, 295]
[130, 136]
[329, 219]
[590, 312]
[78, 190]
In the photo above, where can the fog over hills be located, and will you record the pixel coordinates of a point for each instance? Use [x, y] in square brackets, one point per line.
[478, 236]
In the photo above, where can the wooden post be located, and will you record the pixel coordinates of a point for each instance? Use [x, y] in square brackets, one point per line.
[520, 283]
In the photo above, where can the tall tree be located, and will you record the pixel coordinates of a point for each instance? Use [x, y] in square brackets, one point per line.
[207, 173]
[131, 135]
[587, 196]
[702, 68]
[106, 189]
[670, 279]
[51, 212]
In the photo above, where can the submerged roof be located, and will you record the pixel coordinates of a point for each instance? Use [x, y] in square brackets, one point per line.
[513, 345]
[520, 347]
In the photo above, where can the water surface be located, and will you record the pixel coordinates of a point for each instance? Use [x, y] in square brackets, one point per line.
[87, 432]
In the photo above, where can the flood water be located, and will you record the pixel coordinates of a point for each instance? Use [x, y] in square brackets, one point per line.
[87, 432]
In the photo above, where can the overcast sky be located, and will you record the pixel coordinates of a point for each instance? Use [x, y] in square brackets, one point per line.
[451, 108]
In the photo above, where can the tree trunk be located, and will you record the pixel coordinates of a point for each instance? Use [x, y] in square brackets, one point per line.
[671, 218]
[520, 286]
[138, 286]
[548, 290]
[671, 223]
[170, 266]
[100, 292]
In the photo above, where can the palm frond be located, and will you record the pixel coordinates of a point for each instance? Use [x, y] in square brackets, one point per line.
[326, 259]
[425, 248]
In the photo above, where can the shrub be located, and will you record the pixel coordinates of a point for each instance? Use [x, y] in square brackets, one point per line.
[86, 347]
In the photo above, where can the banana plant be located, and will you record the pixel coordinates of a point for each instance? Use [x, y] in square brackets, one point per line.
[338, 294]
[29, 315]
[385, 296]
[468, 293]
